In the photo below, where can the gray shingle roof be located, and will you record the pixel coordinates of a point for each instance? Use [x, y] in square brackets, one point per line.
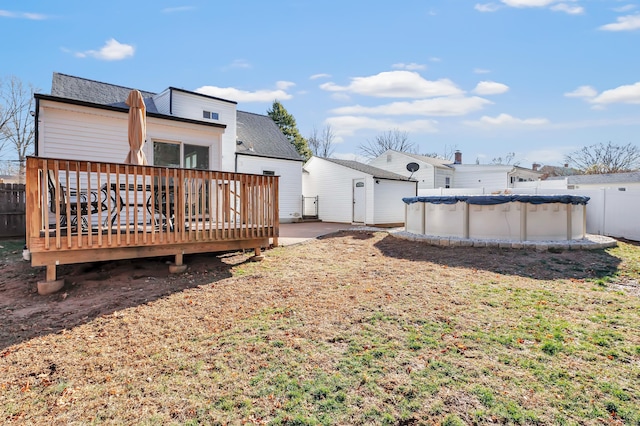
[259, 135]
[610, 178]
[96, 92]
[370, 170]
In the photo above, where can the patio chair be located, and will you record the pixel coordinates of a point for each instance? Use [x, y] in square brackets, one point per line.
[71, 203]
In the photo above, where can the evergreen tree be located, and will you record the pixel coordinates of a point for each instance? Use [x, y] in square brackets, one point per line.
[288, 126]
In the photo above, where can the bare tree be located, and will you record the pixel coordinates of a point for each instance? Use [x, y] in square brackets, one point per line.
[605, 158]
[391, 139]
[322, 145]
[448, 153]
[18, 131]
[507, 160]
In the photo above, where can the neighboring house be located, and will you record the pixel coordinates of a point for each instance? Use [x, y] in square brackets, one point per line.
[436, 173]
[87, 120]
[353, 192]
[491, 177]
[620, 181]
[431, 173]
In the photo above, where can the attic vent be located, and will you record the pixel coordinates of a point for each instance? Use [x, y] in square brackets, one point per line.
[210, 115]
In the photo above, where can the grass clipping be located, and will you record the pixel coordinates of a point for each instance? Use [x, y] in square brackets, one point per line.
[355, 328]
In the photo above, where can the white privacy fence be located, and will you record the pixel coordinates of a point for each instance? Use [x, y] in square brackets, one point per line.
[610, 211]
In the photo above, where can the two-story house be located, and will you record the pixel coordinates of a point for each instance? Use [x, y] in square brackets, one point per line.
[86, 120]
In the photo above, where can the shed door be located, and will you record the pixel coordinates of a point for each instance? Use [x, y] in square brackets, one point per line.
[359, 196]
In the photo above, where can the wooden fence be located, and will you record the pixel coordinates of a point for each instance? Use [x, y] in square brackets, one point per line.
[12, 210]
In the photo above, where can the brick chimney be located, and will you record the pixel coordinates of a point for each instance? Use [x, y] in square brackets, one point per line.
[457, 158]
[535, 166]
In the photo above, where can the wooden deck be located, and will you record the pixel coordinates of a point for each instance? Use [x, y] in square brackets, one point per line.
[80, 211]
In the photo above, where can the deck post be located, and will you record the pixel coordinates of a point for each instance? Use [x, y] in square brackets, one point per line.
[51, 285]
[178, 267]
[257, 256]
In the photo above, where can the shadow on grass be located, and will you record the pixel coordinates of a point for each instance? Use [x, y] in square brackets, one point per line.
[569, 264]
[95, 289]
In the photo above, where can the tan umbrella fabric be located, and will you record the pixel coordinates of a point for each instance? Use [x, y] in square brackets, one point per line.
[137, 128]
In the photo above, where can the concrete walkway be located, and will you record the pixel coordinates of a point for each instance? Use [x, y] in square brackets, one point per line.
[294, 233]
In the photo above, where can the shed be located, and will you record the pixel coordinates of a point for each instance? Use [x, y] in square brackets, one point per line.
[353, 192]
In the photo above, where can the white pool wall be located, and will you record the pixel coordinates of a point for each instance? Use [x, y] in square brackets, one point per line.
[514, 221]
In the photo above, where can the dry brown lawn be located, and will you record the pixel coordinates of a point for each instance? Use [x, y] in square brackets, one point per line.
[354, 328]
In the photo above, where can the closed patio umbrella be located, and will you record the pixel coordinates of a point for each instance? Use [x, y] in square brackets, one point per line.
[137, 128]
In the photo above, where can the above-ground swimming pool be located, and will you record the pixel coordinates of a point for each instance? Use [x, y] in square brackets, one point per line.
[502, 217]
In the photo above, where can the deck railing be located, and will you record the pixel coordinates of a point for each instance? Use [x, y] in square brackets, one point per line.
[76, 206]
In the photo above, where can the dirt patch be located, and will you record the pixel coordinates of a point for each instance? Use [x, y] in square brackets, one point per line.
[94, 289]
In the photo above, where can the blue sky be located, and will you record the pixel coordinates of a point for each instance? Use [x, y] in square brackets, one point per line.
[540, 78]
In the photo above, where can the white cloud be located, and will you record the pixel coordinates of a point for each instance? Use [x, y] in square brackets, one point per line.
[490, 88]
[349, 125]
[443, 106]
[506, 120]
[111, 51]
[571, 10]
[624, 23]
[435, 59]
[625, 8]
[582, 92]
[628, 94]
[481, 71]
[411, 67]
[177, 9]
[396, 84]
[528, 3]
[238, 95]
[487, 7]
[23, 15]
[317, 76]
[555, 5]
[284, 85]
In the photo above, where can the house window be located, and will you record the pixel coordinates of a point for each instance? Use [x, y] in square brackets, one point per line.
[210, 115]
[447, 182]
[176, 154]
[268, 172]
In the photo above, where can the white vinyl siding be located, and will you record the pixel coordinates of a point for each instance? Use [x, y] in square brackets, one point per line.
[91, 134]
[490, 178]
[289, 182]
[163, 102]
[189, 105]
[441, 177]
[333, 184]
[334, 187]
[429, 176]
[388, 194]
